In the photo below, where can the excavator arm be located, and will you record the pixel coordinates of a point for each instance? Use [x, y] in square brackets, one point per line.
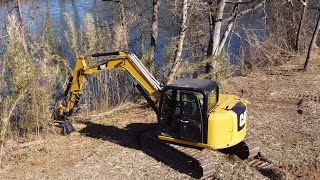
[144, 81]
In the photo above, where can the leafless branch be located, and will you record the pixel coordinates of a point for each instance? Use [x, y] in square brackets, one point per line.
[243, 12]
[304, 3]
[240, 2]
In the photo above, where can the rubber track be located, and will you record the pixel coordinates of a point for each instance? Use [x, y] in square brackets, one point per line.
[200, 164]
[196, 162]
[254, 158]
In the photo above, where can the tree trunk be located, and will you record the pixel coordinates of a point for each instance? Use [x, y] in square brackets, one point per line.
[142, 40]
[183, 29]
[154, 35]
[20, 12]
[229, 28]
[211, 22]
[216, 21]
[312, 44]
[124, 44]
[20, 15]
[302, 17]
[225, 37]
[215, 27]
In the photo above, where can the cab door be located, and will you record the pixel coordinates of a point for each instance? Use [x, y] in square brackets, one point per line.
[191, 118]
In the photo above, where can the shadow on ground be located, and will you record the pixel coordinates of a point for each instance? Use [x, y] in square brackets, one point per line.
[127, 137]
[130, 135]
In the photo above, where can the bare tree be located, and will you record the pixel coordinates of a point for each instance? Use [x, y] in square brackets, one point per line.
[154, 35]
[217, 21]
[229, 28]
[124, 32]
[312, 43]
[178, 52]
[302, 17]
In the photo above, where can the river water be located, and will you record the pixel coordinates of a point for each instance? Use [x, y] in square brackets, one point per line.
[35, 12]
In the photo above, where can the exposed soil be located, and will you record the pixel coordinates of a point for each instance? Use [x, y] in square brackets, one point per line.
[284, 115]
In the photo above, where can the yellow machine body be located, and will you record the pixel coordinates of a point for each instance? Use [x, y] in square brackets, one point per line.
[222, 126]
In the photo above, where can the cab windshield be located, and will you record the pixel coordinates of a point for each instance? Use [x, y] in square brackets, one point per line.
[181, 105]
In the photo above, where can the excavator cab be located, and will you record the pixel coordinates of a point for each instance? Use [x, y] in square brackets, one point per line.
[184, 109]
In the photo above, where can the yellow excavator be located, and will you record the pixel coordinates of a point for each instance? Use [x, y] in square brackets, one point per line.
[191, 113]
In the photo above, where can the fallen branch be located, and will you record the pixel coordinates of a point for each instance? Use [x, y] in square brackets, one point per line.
[32, 143]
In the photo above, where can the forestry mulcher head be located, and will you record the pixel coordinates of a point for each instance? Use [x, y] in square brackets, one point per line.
[61, 120]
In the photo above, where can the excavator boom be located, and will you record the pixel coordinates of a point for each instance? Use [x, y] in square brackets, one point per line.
[143, 79]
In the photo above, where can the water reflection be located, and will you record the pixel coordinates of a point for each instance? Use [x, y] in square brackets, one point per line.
[36, 12]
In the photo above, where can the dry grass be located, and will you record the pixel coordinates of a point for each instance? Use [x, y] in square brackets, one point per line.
[29, 77]
[106, 89]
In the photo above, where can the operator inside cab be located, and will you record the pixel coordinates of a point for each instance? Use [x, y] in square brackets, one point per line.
[183, 110]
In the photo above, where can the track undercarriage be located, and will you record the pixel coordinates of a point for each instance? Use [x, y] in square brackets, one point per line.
[198, 163]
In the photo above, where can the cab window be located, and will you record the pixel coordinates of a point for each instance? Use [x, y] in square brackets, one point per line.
[212, 99]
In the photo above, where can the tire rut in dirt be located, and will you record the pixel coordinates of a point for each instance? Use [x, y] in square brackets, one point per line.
[271, 169]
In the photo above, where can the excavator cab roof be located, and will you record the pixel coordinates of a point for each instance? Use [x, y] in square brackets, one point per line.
[201, 85]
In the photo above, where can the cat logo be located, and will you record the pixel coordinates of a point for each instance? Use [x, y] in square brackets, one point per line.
[242, 119]
[240, 110]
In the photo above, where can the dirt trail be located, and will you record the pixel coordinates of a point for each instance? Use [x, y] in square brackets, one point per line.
[284, 114]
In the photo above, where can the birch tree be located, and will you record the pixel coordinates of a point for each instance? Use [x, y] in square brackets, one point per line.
[183, 28]
[217, 21]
